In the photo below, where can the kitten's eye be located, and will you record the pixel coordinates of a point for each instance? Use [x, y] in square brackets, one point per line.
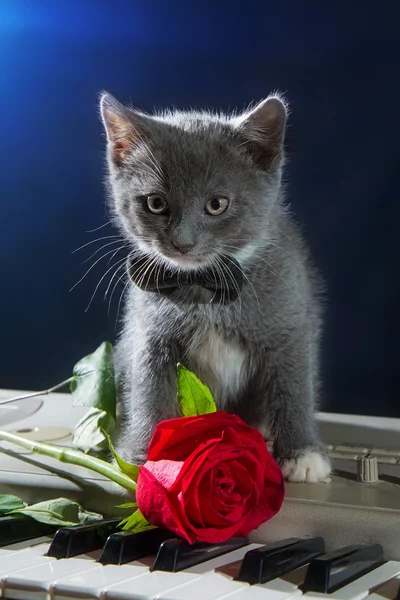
[216, 206]
[156, 204]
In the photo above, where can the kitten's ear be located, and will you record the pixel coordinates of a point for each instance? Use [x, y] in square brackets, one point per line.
[263, 130]
[122, 126]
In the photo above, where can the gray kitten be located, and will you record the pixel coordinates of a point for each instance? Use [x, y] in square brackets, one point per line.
[191, 190]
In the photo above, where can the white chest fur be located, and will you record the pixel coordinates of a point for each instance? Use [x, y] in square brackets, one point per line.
[222, 365]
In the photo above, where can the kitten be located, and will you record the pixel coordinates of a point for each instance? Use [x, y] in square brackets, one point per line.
[191, 190]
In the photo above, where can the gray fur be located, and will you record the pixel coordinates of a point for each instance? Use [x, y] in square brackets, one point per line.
[260, 354]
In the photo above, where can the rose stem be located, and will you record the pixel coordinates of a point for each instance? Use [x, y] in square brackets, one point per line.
[73, 457]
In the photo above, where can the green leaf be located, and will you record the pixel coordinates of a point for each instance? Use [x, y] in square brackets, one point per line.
[135, 522]
[91, 429]
[131, 470]
[127, 505]
[87, 516]
[94, 383]
[60, 511]
[193, 396]
[9, 503]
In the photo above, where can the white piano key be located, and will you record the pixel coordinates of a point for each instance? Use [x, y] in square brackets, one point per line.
[276, 589]
[283, 587]
[12, 548]
[389, 590]
[93, 583]
[219, 584]
[215, 586]
[359, 589]
[36, 581]
[20, 559]
[28, 543]
[5, 552]
[257, 592]
[160, 583]
[210, 587]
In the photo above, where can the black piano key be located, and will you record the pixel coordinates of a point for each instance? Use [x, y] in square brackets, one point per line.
[176, 555]
[332, 571]
[126, 546]
[71, 541]
[19, 529]
[268, 562]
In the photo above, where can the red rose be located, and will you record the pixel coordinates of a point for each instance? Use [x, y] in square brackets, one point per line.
[208, 478]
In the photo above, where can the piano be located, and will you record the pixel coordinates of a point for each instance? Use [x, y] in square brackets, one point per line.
[337, 539]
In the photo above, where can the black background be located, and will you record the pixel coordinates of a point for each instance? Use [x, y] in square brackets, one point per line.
[338, 64]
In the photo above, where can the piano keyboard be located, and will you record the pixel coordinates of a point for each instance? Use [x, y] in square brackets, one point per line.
[174, 570]
[337, 539]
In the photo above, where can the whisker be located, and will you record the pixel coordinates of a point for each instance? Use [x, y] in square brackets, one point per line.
[116, 252]
[234, 282]
[296, 260]
[215, 281]
[115, 286]
[149, 263]
[259, 258]
[149, 168]
[158, 271]
[269, 242]
[150, 274]
[90, 268]
[275, 271]
[97, 228]
[150, 153]
[111, 280]
[245, 276]
[100, 249]
[222, 276]
[236, 285]
[155, 163]
[106, 237]
[98, 285]
[219, 273]
[119, 303]
[141, 270]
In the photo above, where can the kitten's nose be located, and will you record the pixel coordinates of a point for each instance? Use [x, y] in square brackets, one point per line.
[182, 248]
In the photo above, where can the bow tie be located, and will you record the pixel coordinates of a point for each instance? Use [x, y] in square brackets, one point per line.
[225, 282]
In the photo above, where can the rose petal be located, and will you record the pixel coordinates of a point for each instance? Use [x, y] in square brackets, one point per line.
[213, 535]
[165, 472]
[155, 505]
[176, 439]
[201, 484]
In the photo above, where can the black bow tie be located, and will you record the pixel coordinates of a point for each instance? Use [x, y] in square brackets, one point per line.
[225, 282]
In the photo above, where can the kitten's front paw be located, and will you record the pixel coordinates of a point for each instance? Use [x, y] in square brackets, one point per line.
[310, 466]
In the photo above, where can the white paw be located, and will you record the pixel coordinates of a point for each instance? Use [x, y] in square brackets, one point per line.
[310, 467]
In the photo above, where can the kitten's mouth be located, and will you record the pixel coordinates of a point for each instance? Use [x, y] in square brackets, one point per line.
[186, 262]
